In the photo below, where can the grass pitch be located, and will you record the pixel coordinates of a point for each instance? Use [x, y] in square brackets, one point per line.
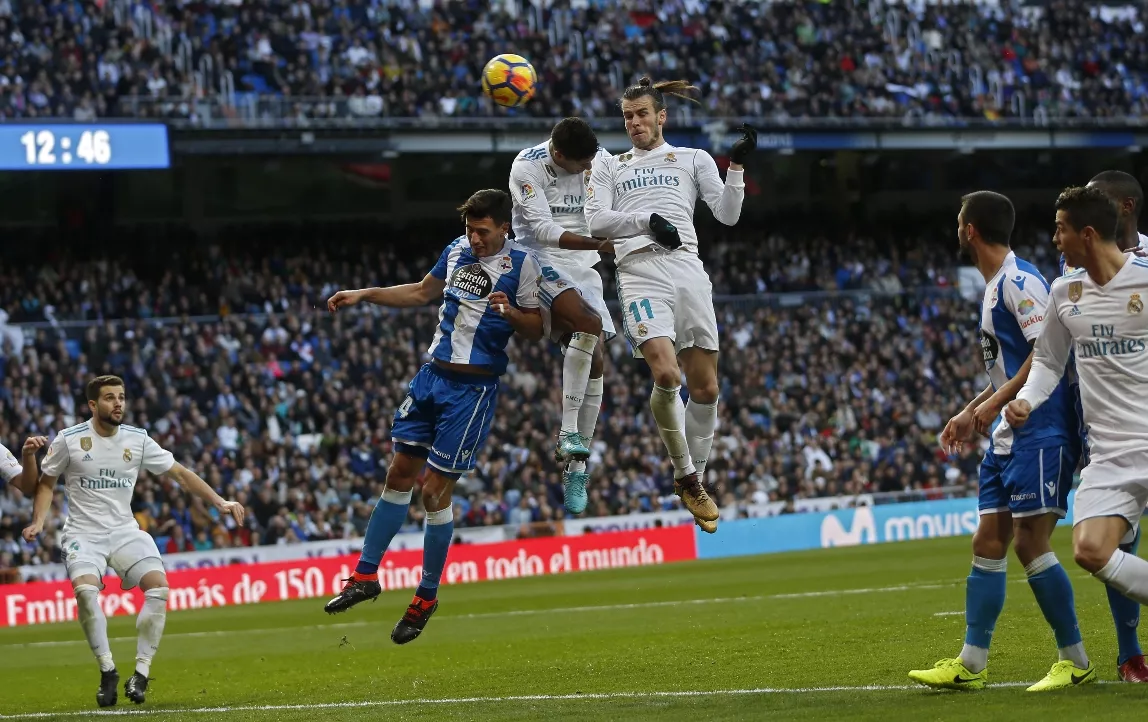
[805, 636]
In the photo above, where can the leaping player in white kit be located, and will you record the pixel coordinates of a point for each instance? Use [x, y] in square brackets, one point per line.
[1098, 311]
[548, 183]
[644, 201]
[100, 461]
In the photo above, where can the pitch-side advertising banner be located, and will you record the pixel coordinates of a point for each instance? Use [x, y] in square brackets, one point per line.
[42, 602]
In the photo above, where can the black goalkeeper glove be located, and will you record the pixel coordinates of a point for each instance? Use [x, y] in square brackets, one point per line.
[744, 146]
[664, 232]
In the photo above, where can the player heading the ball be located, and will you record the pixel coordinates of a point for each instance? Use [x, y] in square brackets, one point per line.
[488, 285]
[548, 185]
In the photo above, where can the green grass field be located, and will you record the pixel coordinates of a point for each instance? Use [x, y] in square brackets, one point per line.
[794, 636]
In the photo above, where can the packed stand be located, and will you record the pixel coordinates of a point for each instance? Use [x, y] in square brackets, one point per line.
[290, 412]
[763, 60]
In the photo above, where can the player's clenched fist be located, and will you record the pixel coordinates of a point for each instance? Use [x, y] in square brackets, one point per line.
[665, 233]
[34, 444]
[32, 531]
[744, 146]
[1017, 412]
[342, 299]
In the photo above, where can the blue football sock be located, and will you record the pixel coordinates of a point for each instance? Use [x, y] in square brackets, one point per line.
[1126, 613]
[386, 520]
[984, 600]
[436, 543]
[1054, 594]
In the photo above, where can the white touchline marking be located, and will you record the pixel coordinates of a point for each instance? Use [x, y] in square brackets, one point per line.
[947, 614]
[523, 613]
[590, 696]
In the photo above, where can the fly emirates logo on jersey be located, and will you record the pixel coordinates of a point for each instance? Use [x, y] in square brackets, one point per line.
[1104, 342]
[108, 479]
[665, 176]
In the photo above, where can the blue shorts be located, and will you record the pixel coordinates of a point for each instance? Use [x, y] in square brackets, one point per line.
[445, 417]
[1028, 482]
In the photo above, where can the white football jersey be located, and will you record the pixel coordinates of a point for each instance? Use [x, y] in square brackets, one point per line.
[100, 473]
[1107, 327]
[625, 189]
[10, 466]
[547, 202]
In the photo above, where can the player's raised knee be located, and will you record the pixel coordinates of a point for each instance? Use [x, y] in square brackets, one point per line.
[1091, 554]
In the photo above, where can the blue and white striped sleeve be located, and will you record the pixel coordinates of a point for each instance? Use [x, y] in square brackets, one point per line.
[1026, 297]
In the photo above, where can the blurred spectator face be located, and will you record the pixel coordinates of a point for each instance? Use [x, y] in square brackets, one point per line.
[643, 122]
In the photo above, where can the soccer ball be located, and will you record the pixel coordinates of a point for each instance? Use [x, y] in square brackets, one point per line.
[509, 80]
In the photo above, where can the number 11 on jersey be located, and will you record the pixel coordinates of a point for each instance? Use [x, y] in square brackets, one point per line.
[636, 308]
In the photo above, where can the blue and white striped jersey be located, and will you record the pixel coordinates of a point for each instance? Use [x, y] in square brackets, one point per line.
[469, 330]
[1012, 316]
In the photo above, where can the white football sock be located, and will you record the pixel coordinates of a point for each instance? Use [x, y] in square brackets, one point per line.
[149, 624]
[669, 414]
[591, 407]
[95, 624]
[974, 658]
[1127, 574]
[575, 375]
[701, 420]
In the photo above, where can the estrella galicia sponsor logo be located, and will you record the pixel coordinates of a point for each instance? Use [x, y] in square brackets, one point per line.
[470, 283]
[990, 349]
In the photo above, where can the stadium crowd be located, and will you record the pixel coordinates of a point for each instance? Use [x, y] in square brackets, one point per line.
[765, 60]
[287, 408]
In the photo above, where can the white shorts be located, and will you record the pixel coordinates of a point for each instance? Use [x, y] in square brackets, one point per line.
[559, 278]
[667, 295]
[1115, 487]
[132, 553]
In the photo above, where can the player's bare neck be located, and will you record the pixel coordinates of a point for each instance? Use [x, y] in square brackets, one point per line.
[990, 258]
[1103, 266]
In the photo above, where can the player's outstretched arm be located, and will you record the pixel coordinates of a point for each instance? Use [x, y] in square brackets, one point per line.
[526, 184]
[404, 296]
[604, 221]
[192, 484]
[41, 505]
[724, 198]
[29, 476]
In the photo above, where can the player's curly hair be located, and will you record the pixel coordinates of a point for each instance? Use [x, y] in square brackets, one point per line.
[96, 385]
[491, 203]
[575, 139]
[658, 91]
[1090, 207]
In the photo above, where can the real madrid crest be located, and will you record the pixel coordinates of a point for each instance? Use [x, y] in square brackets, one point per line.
[642, 330]
[1135, 305]
[670, 157]
[127, 454]
[1075, 290]
[86, 443]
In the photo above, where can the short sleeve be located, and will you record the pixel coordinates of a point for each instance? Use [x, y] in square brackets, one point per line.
[57, 459]
[10, 466]
[528, 277]
[1026, 296]
[156, 459]
[439, 270]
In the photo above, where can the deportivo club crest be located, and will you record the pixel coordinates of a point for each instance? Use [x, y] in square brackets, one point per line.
[1135, 305]
[86, 443]
[1075, 290]
[505, 264]
[127, 454]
